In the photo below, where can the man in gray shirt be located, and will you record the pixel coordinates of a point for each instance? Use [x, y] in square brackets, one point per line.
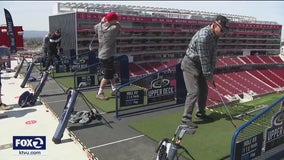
[107, 30]
[198, 66]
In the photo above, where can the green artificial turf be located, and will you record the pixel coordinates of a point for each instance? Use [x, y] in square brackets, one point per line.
[241, 108]
[66, 82]
[66, 78]
[212, 140]
[104, 105]
[110, 104]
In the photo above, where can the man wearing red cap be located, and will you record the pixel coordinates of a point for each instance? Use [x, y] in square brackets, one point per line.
[198, 66]
[107, 31]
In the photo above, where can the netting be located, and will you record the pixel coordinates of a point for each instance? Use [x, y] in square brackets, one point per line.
[262, 136]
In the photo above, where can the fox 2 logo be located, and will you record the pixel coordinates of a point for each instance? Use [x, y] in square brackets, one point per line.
[29, 142]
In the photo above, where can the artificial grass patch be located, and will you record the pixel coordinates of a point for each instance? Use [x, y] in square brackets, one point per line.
[110, 104]
[241, 108]
[67, 82]
[212, 140]
[105, 105]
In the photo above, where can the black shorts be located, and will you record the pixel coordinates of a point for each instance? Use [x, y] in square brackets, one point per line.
[107, 67]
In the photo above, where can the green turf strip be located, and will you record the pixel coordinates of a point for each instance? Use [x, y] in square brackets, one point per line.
[66, 82]
[212, 140]
[104, 105]
[240, 108]
[110, 104]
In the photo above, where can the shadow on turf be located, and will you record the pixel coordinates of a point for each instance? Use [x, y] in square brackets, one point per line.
[215, 116]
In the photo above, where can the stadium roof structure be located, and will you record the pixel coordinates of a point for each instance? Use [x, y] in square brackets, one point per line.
[63, 7]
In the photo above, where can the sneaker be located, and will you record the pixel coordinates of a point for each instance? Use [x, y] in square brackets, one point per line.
[102, 96]
[5, 107]
[203, 117]
[51, 67]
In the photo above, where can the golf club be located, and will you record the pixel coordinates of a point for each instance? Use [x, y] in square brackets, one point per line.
[226, 108]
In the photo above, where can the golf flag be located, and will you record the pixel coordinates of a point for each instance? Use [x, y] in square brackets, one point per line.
[10, 30]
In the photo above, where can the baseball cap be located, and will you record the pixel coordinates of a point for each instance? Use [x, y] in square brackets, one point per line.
[111, 16]
[223, 21]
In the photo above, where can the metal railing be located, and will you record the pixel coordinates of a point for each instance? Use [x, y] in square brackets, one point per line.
[133, 83]
[257, 138]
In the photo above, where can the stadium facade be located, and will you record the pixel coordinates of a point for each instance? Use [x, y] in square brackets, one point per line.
[4, 40]
[155, 38]
[162, 33]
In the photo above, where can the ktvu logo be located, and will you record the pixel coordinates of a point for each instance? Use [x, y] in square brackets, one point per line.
[29, 142]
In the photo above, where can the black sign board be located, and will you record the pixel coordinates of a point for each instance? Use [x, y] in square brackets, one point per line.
[274, 138]
[161, 94]
[89, 79]
[249, 148]
[275, 134]
[62, 68]
[130, 98]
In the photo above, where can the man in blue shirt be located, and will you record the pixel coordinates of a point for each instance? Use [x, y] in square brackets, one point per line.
[198, 66]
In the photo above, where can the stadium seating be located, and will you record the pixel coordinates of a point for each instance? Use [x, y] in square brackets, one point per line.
[275, 75]
[233, 83]
[157, 65]
[277, 59]
[239, 60]
[147, 67]
[262, 77]
[136, 70]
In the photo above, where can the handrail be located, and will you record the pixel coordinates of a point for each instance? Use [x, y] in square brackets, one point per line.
[136, 80]
[80, 69]
[248, 123]
[89, 66]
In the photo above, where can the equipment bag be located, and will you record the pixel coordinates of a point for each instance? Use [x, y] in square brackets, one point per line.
[24, 99]
[29, 99]
[39, 87]
[68, 109]
[28, 73]
[168, 149]
[163, 149]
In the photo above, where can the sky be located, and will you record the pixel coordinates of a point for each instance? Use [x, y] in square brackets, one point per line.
[33, 15]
